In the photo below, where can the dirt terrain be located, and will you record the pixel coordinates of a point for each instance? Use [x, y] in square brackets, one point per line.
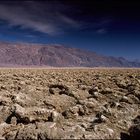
[69, 103]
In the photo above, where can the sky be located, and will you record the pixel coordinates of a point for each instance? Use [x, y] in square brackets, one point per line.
[108, 27]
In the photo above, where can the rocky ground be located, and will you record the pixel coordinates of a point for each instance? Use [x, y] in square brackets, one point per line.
[69, 103]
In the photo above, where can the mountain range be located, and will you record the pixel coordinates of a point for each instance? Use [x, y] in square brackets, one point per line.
[29, 54]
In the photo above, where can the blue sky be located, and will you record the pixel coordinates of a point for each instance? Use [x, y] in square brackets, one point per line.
[106, 27]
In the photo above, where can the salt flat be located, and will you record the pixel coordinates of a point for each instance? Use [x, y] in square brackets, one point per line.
[68, 103]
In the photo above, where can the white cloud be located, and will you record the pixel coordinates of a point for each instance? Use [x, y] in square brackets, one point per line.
[101, 31]
[35, 18]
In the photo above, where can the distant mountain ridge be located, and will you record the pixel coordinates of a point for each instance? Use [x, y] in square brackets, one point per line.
[26, 54]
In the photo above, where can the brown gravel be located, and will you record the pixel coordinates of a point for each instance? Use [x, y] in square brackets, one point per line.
[68, 103]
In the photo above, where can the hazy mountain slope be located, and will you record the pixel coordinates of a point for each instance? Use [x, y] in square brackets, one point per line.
[20, 54]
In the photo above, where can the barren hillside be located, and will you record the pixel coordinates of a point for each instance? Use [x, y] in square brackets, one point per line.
[25, 54]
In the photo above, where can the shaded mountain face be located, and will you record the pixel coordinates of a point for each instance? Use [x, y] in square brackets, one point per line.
[24, 54]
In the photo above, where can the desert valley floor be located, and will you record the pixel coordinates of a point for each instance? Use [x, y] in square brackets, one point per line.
[69, 103]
